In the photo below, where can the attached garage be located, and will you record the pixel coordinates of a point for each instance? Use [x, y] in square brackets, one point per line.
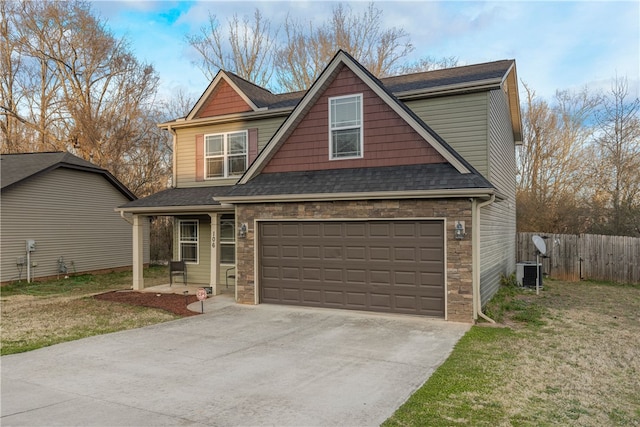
[395, 266]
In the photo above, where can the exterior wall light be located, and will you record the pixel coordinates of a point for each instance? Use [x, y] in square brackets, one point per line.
[243, 231]
[459, 232]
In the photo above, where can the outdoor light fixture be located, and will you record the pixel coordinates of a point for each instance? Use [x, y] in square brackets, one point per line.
[459, 230]
[243, 231]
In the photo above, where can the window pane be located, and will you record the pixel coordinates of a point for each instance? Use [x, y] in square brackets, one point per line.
[345, 112]
[189, 231]
[214, 145]
[237, 143]
[346, 143]
[215, 167]
[237, 164]
[227, 253]
[189, 252]
[227, 230]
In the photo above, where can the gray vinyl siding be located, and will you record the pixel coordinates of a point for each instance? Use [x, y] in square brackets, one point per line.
[186, 148]
[69, 214]
[461, 121]
[498, 220]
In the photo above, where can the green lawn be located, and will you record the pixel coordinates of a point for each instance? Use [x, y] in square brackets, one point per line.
[569, 356]
[44, 313]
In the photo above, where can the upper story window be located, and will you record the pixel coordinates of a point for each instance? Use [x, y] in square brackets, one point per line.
[345, 127]
[225, 154]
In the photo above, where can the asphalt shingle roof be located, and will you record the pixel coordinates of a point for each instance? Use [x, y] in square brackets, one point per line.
[176, 197]
[396, 84]
[437, 176]
[16, 168]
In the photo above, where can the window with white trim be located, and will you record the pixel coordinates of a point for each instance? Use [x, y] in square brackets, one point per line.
[345, 127]
[188, 240]
[228, 239]
[225, 154]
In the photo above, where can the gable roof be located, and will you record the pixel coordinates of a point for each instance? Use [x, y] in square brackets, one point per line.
[468, 78]
[316, 90]
[18, 168]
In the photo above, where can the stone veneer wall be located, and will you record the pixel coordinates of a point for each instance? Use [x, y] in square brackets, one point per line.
[459, 257]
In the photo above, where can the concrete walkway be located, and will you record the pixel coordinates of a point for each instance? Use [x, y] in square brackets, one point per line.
[234, 365]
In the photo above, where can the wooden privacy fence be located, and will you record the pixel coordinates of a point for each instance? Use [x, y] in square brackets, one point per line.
[585, 256]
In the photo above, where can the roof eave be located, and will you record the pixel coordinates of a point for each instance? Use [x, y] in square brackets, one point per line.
[173, 210]
[478, 85]
[261, 113]
[484, 193]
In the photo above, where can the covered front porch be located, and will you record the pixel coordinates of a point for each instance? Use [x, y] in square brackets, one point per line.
[203, 239]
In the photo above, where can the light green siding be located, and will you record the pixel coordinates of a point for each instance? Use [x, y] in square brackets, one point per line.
[498, 220]
[461, 121]
[197, 273]
[186, 148]
[70, 214]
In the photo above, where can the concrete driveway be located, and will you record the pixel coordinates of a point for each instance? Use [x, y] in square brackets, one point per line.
[234, 365]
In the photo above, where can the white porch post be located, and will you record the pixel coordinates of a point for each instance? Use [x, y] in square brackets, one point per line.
[138, 252]
[213, 262]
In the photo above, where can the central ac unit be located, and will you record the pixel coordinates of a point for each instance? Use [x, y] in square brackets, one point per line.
[526, 274]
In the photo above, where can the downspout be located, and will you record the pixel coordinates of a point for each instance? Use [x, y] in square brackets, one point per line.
[475, 244]
[125, 218]
[174, 173]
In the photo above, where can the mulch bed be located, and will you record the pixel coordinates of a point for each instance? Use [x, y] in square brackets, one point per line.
[173, 303]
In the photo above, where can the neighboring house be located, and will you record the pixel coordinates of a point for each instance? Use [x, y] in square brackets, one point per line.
[66, 206]
[348, 195]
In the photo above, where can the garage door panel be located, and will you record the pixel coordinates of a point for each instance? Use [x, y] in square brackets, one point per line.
[356, 299]
[333, 275]
[312, 296]
[291, 273]
[354, 229]
[404, 229]
[431, 255]
[271, 251]
[390, 266]
[405, 254]
[378, 253]
[271, 272]
[290, 252]
[334, 297]
[332, 252]
[380, 276]
[379, 229]
[434, 279]
[310, 229]
[311, 252]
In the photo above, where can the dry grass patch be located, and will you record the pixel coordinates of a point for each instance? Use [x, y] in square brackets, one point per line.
[577, 364]
[44, 313]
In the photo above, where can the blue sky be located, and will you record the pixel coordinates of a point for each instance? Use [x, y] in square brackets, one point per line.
[556, 44]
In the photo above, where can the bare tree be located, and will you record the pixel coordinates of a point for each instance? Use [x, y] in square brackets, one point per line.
[307, 50]
[617, 171]
[551, 162]
[76, 87]
[247, 49]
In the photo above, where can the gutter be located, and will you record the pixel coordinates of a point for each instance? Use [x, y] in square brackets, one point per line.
[125, 218]
[331, 197]
[475, 245]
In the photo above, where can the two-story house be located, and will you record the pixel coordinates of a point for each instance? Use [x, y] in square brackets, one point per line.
[392, 195]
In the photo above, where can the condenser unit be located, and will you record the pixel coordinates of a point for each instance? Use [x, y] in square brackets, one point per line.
[526, 274]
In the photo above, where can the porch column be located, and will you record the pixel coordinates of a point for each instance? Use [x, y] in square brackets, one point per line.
[213, 262]
[138, 252]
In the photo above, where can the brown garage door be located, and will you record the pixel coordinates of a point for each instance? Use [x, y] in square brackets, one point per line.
[388, 266]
